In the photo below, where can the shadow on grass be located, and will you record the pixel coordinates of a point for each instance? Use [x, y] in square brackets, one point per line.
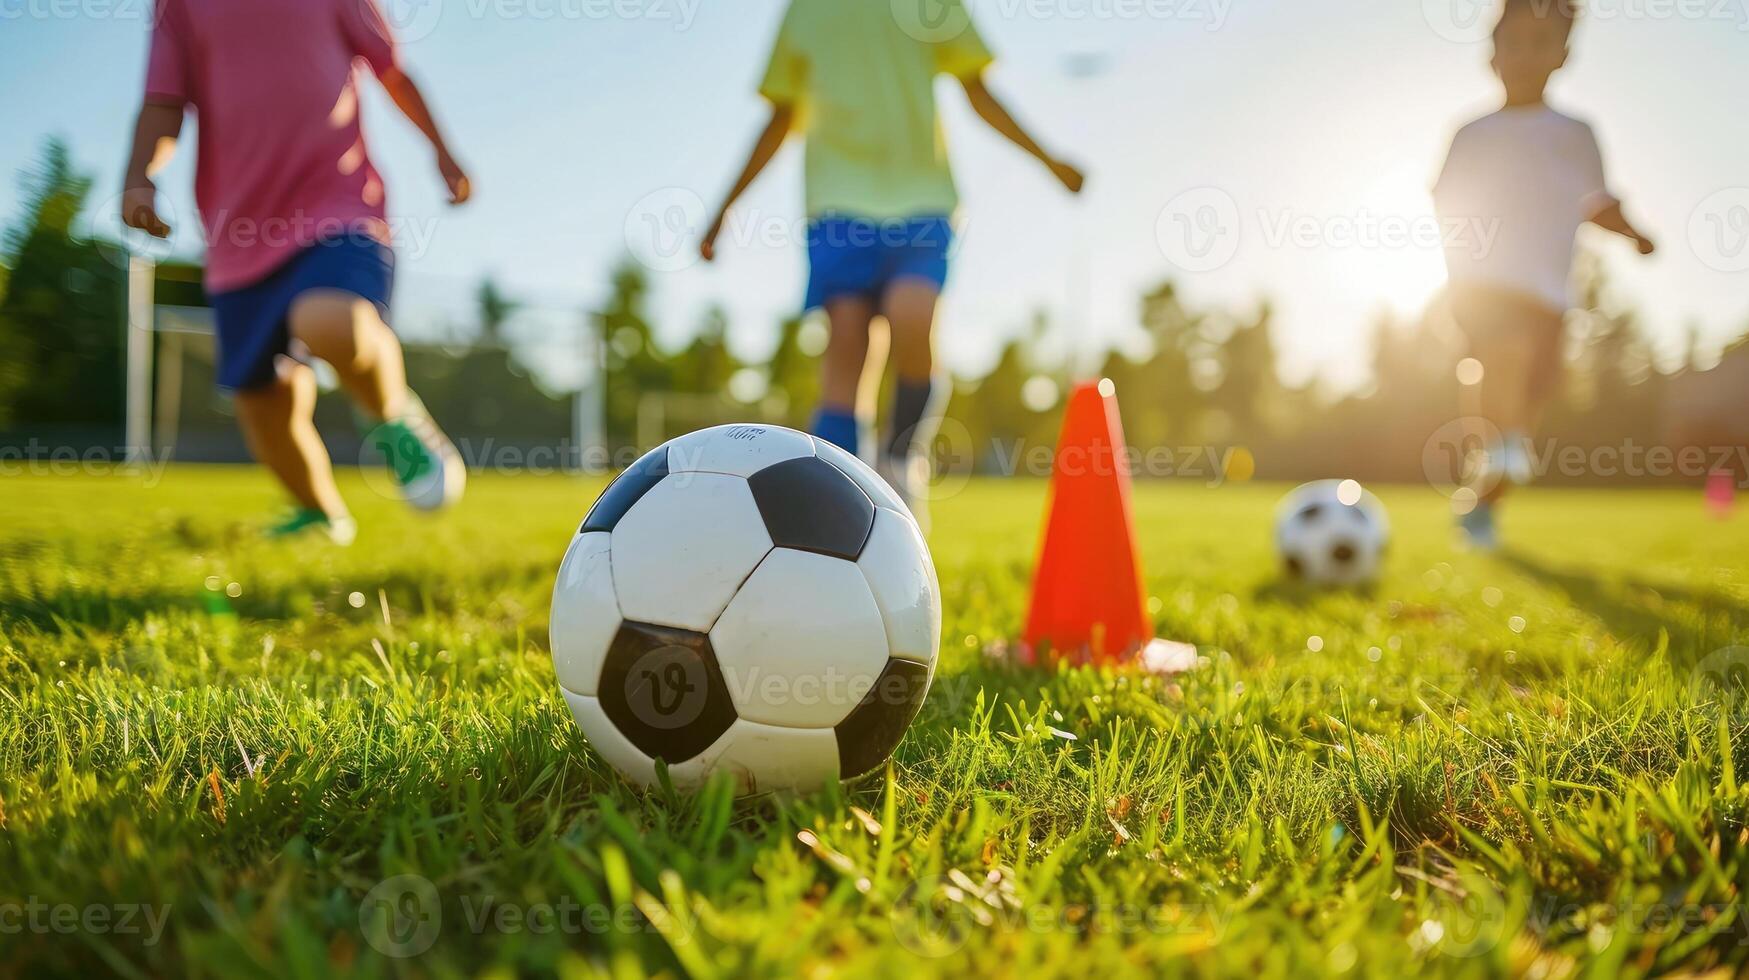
[1635, 609]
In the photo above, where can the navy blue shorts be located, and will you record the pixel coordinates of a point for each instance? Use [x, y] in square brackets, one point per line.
[253, 328]
[849, 256]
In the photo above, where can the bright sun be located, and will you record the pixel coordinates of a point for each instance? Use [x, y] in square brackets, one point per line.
[1402, 266]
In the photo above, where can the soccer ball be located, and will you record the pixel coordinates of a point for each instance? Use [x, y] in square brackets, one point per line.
[751, 599]
[1331, 532]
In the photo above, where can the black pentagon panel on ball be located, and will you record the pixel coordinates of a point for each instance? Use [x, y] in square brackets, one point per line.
[810, 505]
[873, 728]
[662, 688]
[626, 489]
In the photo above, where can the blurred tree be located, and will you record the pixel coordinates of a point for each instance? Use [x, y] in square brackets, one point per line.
[496, 309]
[792, 373]
[635, 365]
[705, 365]
[61, 335]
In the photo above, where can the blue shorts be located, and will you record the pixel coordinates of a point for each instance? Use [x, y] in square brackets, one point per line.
[252, 323]
[850, 256]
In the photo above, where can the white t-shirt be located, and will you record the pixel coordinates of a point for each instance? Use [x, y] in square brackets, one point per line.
[1516, 186]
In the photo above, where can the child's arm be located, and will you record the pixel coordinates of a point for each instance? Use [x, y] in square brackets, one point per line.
[764, 148]
[154, 142]
[991, 111]
[412, 104]
[1612, 219]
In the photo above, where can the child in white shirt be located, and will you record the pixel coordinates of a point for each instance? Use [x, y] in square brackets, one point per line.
[1534, 176]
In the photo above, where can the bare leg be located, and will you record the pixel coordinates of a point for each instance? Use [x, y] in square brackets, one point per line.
[909, 307]
[276, 420]
[346, 331]
[1545, 370]
[848, 319]
[1518, 342]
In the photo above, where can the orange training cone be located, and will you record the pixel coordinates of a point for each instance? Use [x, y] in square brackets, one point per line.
[1087, 589]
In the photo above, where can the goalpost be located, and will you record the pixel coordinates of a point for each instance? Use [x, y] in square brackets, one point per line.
[167, 318]
[154, 383]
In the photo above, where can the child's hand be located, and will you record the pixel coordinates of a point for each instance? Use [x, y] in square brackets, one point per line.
[139, 208]
[1067, 175]
[707, 246]
[454, 178]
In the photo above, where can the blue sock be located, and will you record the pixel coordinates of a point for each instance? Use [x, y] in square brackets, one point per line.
[837, 426]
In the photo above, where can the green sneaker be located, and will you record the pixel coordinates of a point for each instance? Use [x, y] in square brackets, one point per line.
[427, 471]
[308, 520]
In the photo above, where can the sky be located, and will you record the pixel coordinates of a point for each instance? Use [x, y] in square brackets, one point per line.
[1300, 137]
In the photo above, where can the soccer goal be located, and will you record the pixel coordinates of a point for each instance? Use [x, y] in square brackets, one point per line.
[480, 388]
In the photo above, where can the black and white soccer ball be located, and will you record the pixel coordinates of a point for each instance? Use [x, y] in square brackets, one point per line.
[1332, 532]
[747, 598]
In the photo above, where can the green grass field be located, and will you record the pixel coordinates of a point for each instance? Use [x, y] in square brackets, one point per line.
[214, 751]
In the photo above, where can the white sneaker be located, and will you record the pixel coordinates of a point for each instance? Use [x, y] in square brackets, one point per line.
[424, 464]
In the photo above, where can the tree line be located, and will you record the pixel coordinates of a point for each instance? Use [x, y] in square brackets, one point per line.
[1201, 395]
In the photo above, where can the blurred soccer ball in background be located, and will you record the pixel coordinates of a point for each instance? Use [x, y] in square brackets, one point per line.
[1331, 532]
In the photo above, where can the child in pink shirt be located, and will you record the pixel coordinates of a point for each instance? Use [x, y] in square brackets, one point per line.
[298, 249]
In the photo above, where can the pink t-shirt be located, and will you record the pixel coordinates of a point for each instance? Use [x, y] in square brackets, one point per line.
[281, 161]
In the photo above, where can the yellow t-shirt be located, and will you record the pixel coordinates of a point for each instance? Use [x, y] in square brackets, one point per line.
[861, 76]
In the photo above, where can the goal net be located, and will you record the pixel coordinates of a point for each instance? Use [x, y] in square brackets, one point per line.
[526, 393]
